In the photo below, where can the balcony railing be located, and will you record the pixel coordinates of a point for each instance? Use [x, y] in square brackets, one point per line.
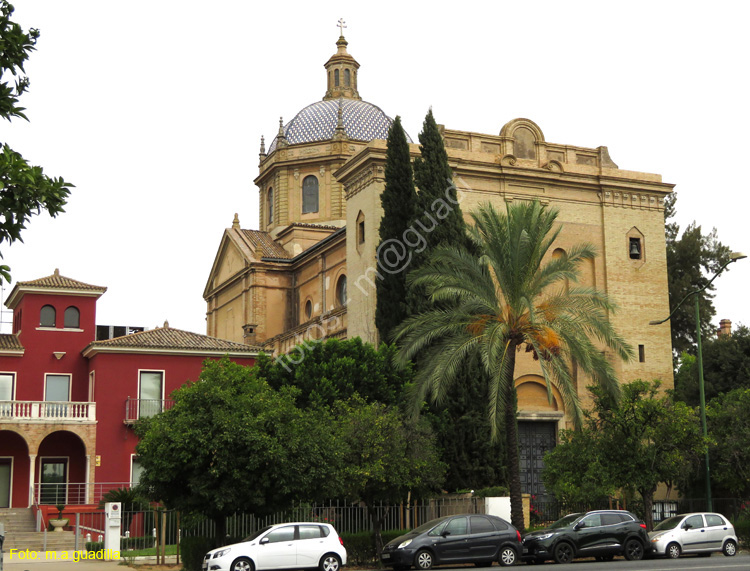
[74, 493]
[46, 411]
[145, 408]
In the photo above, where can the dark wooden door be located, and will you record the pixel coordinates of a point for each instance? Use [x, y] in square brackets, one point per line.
[534, 439]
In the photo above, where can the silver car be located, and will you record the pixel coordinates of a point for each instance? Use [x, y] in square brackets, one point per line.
[694, 533]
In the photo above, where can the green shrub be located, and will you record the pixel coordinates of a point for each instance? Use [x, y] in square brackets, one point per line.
[360, 548]
[94, 546]
[742, 529]
[192, 551]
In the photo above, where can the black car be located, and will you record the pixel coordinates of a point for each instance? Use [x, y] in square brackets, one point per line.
[480, 539]
[600, 534]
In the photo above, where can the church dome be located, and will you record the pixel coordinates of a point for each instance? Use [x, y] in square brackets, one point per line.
[362, 121]
[341, 114]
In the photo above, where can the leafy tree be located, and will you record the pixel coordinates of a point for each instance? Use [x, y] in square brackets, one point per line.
[231, 443]
[399, 200]
[728, 424]
[647, 438]
[24, 189]
[692, 259]
[575, 471]
[500, 299]
[726, 366]
[385, 457]
[335, 370]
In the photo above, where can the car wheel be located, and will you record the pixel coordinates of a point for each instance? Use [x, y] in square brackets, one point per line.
[633, 550]
[423, 560]
[673, 551]
[730, 548]
[330, 562]
[508, 557]
[564, 553]
[242, 564]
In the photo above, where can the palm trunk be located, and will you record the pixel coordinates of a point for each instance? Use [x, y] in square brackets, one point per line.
[511, 444]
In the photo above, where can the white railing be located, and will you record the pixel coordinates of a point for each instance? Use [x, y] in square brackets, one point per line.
[145, 408]
[46, 411]
[74, 493]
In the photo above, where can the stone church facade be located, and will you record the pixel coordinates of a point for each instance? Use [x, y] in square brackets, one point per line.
[309, 271]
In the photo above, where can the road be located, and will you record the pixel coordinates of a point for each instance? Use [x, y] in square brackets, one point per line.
[717, 562]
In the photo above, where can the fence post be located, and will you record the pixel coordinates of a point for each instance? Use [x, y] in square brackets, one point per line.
[78, 529]
[179, 537]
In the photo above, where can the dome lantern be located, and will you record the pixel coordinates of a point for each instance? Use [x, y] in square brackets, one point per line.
[341, 72]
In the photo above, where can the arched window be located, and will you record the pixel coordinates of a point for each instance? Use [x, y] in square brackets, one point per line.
[308, 309]
[270, 205]
[47, 316]
[335, 78]
[72, 318]
[360, 228]
[309, 194]
[347, 78]
[341, 291]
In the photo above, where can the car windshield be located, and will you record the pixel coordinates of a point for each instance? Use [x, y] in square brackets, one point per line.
[669, 523]
[257, 533]
[427, 526]
[565, 521]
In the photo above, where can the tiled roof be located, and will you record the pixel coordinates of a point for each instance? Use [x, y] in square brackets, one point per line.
[167, 338]
[10, 342]
[265, 245]
[363, 121]
[58, 281]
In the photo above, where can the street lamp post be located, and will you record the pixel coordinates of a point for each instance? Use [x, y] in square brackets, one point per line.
[733, 257]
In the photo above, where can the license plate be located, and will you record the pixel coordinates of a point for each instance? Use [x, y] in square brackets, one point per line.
[386, 556]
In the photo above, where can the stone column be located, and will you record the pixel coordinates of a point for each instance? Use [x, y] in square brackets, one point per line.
[32, 466]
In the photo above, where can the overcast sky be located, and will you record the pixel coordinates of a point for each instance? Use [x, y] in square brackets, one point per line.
[155, 109]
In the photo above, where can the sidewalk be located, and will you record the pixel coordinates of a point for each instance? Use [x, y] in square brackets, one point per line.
[56, 561]
[66, 561]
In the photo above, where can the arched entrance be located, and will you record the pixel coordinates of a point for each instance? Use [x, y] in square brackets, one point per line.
[538, 423]
[61, 469]
[14, 470]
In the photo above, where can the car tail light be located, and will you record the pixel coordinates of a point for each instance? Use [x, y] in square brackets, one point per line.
[341, 541]
[643, 525]
[518, 534]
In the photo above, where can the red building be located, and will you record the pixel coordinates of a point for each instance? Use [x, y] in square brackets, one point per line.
[68, 402]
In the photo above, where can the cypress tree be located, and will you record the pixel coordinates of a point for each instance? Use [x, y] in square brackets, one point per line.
[399, 201]
[463, 431]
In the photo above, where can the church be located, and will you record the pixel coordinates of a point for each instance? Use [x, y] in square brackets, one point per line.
[309, 271]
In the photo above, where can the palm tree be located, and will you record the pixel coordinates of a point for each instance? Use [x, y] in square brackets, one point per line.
[499, 300]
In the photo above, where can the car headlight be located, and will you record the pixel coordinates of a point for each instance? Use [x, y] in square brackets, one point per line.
[542, 537]
[404, 544]
[222, 553]
[657, 538]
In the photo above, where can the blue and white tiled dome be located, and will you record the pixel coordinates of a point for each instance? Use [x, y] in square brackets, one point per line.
[317, 122]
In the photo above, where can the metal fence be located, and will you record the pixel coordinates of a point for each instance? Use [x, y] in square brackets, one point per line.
[139, 527]
[547, 510]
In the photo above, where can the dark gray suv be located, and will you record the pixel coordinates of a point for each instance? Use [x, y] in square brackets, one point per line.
[601, 534]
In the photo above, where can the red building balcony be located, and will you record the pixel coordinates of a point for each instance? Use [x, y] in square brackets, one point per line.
[52, 412]
[145, 408]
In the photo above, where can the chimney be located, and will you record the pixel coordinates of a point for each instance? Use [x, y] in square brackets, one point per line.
[725, 328]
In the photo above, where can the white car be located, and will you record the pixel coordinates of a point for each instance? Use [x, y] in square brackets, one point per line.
[694, 533]
[282, 546]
